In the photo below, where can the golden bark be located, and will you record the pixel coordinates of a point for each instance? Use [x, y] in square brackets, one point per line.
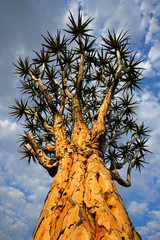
[83, 203]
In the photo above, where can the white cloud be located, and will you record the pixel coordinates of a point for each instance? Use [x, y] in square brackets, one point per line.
[154, 53]
[8, 129]
[109, 16]
[151, 230]
[156, 10]
[22, 200]
[149, 112]
[147, 6]
[137, 209]
[147, 183]
[13, 204]
[153, 29]
[22, 194]
[147, 65]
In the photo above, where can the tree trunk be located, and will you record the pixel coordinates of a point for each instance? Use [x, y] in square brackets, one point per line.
[83, 202]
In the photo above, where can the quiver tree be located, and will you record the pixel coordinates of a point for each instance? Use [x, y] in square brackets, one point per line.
[80, 125]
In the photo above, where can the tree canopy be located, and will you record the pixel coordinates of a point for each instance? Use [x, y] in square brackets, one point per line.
[102, 76]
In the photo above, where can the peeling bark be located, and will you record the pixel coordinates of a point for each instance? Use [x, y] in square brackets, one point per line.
[83, 203]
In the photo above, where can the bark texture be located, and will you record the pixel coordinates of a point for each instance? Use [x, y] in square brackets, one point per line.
[83, 203]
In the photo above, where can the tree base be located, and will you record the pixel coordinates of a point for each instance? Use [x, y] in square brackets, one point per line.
[83, 203]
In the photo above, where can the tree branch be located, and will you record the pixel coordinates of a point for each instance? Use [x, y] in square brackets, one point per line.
[49, 148]
[80, 132]
[44, 90]
[123, 87]
[98, 121]
[64, 85]
[59, 136]
[121, 69]
[64, 79]
[114, 132]
[119, 64]
[80, 76]
[57, 130]
[115, 175]
[42, 158]
[46, 126]
[30, 149]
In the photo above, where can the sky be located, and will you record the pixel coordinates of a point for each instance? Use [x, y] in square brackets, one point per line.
[23, 188]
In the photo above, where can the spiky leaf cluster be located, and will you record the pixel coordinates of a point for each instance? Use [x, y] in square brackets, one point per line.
[57, 66]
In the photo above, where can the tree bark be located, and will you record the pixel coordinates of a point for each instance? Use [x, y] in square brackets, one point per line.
[83, 202]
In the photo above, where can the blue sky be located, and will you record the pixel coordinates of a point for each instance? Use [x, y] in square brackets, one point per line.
[23, 189]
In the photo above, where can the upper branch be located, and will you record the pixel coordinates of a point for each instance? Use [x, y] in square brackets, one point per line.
[119, 64]
[64, 78]
[44, 90]
[80, 76]
[64, 85]
[98, 122]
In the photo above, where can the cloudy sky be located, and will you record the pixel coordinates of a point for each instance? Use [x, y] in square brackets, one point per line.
[23, 189]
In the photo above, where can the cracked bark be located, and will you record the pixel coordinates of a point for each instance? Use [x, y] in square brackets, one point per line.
[83, 202]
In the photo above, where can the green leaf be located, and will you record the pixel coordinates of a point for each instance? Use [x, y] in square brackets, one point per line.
[27, 154]
[78, 30]
[22, 68]
[114, 43]
[42, 57]
[19, 109]
[55, 45]
[139, 163]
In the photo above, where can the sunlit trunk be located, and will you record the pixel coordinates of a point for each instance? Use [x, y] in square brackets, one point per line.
[83, 202]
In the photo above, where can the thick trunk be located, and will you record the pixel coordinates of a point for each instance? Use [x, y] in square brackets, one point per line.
[83, 202]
